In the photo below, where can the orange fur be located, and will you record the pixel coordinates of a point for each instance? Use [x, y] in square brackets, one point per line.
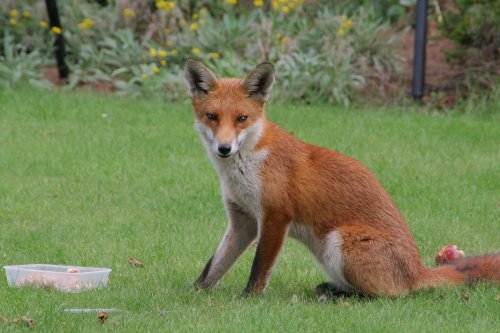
[314, 188]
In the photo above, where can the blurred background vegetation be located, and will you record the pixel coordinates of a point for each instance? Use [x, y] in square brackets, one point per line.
[324, 51]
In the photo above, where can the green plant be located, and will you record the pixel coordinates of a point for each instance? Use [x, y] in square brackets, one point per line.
[139, 47]
[475, 26]
[474, 23]
[17, 64]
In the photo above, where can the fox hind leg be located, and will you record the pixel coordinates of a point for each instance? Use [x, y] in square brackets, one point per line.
[381, 267]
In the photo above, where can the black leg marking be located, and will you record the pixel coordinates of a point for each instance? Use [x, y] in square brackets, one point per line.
[204, 274]
[327, 291]
[254, 273]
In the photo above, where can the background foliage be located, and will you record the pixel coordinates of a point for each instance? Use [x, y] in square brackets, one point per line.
[330, 51]
[475, 26]
[327, 51]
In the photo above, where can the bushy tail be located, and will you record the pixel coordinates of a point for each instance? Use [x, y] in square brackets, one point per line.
[463, 271]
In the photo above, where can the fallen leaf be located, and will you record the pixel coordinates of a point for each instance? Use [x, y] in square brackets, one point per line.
[497, 297]
[465, 296]
[28, 321]
[102, 317]
[135, 262]
[4, 320]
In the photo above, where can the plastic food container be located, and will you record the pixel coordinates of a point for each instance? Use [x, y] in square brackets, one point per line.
[65, 278]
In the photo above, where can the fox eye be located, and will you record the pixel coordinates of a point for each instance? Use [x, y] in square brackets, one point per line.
[212, 117]
[241, 119]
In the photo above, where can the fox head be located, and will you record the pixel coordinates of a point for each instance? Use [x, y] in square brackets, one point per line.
[229, 112]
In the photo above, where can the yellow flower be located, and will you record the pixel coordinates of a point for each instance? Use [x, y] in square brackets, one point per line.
[285, 6]
[14, 13]
[162, 53]
[203, 12]
[165, 5]
[44, 24]
[193, 26]
[340, 32]
[144, 76]
[174, 52]
[155, 69]
[258, 3]
[163, 62]
[161, 4]
[232, 2]
[196, 51]
[277, 36]
[13, 22]
[85, 24]
[214, 55]
[26, 14]
[56, 30]
[128, 12]
[153, 52]
[284, 39]
[194, 16]
[346, 24]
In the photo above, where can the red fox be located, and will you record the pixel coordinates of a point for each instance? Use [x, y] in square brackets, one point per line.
[274, 186]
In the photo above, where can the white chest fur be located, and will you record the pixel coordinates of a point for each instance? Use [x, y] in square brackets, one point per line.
[327, 251]
[239, 173]
[240, 180]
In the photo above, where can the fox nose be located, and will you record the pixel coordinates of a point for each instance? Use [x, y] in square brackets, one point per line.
[224, 149]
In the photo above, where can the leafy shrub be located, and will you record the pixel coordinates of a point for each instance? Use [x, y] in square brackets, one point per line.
[140, 46]
[475, 26]
[475, 23]
[17, 64]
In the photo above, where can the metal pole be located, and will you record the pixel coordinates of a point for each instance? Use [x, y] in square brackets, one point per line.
[60, 52]
[419, 51]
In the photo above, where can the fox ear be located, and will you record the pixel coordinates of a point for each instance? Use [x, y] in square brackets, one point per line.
[259, 82]
[198, 78]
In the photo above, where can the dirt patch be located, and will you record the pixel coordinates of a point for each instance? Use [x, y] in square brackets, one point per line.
[441, 76]
[51, 74]
[98, 86]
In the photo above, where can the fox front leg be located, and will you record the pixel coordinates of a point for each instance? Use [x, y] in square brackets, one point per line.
[272, 237]
[241, 231]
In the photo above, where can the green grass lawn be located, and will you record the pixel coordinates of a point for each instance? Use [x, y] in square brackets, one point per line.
[92, 180]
